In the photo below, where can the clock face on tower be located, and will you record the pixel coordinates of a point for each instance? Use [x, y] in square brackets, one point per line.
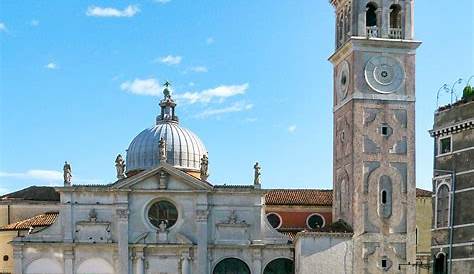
[342, 80]
[384, 74]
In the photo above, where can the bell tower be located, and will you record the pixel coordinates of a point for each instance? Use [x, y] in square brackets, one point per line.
[374, 131]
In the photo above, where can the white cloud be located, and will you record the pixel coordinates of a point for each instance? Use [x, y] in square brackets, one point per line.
[51, 66]
[198, 69]
[236, 107]
[220, 92]
[162, 1]
[49, 176]
[34, 23]
[3, 27]
[292, 128]
[210, 40]
[170, 60]
[129, 11]
[149, 86]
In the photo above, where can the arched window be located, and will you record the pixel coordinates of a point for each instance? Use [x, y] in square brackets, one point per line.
[440, 264]
[231, 266]
[395, 16]
[384, 196]
[280, 266]
[347, 23]
[442, 206]
[371, 15]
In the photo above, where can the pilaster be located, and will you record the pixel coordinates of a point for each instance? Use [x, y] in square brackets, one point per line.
[122, 233]
[201, 222]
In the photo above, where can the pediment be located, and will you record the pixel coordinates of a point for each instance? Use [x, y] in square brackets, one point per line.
[163, 177]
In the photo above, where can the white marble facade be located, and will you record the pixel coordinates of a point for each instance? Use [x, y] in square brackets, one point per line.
[106, 229]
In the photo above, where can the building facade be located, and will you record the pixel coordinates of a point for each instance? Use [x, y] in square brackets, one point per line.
[374, 130]
[452, 245]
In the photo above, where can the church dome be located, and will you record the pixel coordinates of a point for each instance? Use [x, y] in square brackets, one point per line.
[183, 148]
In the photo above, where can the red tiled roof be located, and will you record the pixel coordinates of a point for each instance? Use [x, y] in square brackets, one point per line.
[42, 220]
[321, 197]
[423, 193]
[313, 197]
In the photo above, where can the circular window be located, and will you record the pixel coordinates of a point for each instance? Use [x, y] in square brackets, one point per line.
[274, 220]
[162, 213]
[315, 221]
[5, 258]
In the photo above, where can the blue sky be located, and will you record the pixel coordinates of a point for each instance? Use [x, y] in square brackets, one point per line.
[252, 78]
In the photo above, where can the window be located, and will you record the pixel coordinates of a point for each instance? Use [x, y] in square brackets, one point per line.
[371, 15]
[445, 145]
[230, 266]
[280, 266]
[274, 220]
[395, 17]
[384, 197]
[162, 212]
[442, 206]
[5, 258]
[315, 221]
[440, 264]
[385, 130]
[384, 263]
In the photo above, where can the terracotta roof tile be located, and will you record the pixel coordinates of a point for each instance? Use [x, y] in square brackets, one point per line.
[313, 197]
[33, 193]
[42, 220]
[423, 193]
[321, 197]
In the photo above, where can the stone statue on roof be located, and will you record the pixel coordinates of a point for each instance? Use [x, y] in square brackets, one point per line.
[67, 173]
[162, 150]
[166, 90]
[257, 173]
[204, 167]
[120, 167]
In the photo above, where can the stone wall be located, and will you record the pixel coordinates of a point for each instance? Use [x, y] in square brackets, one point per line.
[323, 253]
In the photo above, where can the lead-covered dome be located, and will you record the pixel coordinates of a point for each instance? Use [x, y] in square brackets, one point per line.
[184, 149]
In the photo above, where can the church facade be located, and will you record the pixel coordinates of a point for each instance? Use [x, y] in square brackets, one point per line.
[163, 216]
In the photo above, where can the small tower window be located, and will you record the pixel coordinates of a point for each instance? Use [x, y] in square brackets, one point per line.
[440, 264]
[5, 258]
[445, 145]
[371, 15]
[442, 206]
[384, 263]
[384, 196]
[395, 16]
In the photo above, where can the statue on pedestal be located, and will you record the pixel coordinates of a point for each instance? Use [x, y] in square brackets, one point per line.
[204, 167]
[67, 173]
[162, 150]
[120, 166]
[256, 180]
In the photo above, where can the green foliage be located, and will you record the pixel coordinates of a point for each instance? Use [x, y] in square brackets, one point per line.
[468, 92]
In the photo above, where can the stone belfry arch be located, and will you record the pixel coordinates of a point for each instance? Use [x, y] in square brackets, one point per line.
[374, 131]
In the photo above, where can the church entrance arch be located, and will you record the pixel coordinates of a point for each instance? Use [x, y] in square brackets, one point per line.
[231, 266]
[280, 266]
[95, 266]
[44, 266]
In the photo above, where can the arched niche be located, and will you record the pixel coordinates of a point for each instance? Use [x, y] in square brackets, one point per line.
[95, 266]
[44, 266]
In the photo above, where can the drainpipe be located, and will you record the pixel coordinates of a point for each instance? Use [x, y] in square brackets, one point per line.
[451, 217]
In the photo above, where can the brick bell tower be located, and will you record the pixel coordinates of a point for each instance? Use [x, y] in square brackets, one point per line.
[374, 131]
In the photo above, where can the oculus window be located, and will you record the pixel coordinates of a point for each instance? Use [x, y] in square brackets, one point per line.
[274, 220]
[315, 221]
[162, 212]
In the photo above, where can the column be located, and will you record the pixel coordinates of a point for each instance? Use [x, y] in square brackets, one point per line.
[122, 235]
[68, 255]
[257, 261]
[201, 222]
[18, 259]
[139, 257]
